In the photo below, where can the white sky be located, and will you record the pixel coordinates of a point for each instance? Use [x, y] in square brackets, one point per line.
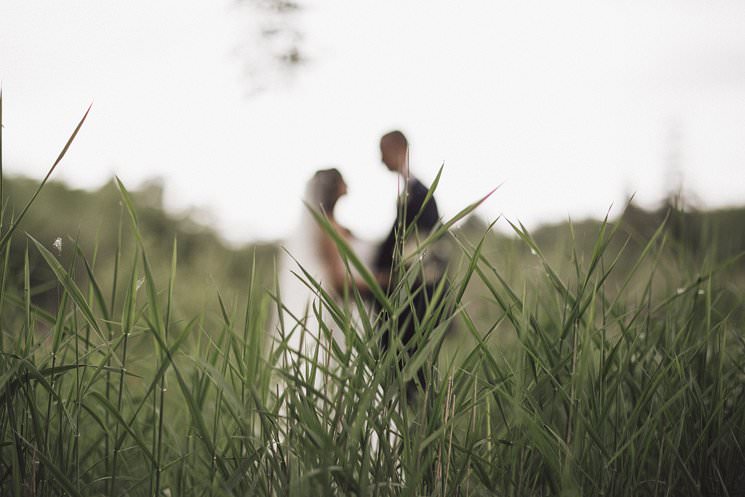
[570, 104]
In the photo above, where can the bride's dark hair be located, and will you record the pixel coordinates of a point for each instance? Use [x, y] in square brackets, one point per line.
[324, 188]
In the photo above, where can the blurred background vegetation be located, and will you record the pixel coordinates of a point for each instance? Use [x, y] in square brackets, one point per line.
[96, 222]
[702, 241]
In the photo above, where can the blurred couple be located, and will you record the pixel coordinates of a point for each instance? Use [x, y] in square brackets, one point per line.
[317, 253]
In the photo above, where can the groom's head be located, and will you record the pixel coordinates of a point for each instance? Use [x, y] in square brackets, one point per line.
[394, 150]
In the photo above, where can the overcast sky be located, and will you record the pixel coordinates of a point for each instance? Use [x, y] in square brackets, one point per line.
[570, 105]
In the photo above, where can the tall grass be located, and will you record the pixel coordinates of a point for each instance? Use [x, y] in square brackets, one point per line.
[596, 378]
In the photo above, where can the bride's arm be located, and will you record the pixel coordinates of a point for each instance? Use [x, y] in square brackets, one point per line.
[339, 279]
[332, 260]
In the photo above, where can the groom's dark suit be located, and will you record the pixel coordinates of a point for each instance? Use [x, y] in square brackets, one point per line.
[411, 209]
[408, 210]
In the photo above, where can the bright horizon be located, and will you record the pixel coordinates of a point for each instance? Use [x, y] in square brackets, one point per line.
[570, 107]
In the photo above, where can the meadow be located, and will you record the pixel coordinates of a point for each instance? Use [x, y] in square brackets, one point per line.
[595, 358]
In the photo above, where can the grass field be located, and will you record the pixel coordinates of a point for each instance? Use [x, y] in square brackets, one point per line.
[581, 372]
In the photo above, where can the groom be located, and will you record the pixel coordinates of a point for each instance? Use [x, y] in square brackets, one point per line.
[394, 153]
[412, 209]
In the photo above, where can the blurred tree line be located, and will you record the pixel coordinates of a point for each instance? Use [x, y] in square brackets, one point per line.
[689, 246]
[97, 222]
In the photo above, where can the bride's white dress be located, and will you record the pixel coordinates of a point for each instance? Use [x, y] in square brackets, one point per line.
[301, 304]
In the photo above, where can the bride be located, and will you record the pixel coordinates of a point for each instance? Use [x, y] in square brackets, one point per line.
[311, 250]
